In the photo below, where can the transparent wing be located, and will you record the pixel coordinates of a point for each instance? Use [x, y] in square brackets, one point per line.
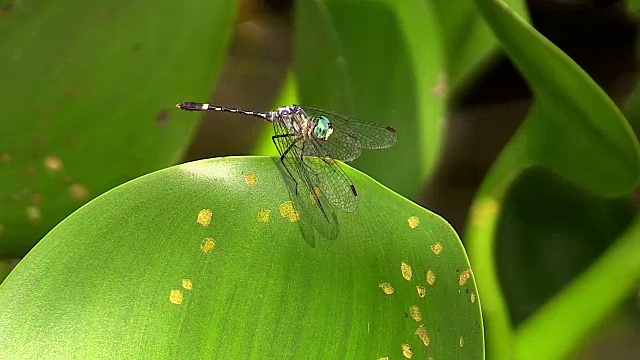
[293, 147]
[364, 134]
[340, 146]
[282, 139]
[334, 184]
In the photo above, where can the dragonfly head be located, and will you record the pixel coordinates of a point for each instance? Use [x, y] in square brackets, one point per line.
[323, 128]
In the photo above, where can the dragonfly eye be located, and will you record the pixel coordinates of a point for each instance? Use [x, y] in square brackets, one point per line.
[323, 128]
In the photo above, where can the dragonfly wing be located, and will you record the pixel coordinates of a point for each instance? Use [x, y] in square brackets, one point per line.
[340, 146]
[333, 183]
[364, 134]
[293, 148]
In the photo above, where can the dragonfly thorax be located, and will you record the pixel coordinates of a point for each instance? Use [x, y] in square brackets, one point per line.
[296, 121]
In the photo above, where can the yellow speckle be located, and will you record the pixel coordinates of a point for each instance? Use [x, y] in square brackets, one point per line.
[204, 217]
[187, 284]
[315, 194]
[5, 158]
[423, 334]
[207, 245]
[176, 297]
[294, 216]
[386, 288]
[33, 213]
[250, 178]
[414, 221]
[263, 215]
[473, 297]
[79, 192]
[286, 208]
[406, 270]
[483, 210]
[53, 163]
[414, 310]
[384, 358]
[421, 291]
[442, 86]
[461, 341]
[431, 277]
[406, 350]
[437, 248]
[287, 211]
[464, 276]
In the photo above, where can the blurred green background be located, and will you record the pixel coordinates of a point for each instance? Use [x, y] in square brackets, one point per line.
[524, 138]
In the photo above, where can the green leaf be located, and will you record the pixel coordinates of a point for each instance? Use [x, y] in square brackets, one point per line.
[87, 94]
[468, 42]
[633, 6]
[198, 261]
[585, 303]
[288, 96]
[379, 61]
[573, 129]
[549, 232]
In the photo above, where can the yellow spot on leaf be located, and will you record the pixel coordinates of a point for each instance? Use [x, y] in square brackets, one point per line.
[431, 277]
[464, 276]
[406, 350]
[461, 341]
[288, 211]
[204, 217]
[437, 248]
[79, 192]
[294, 216]
[33, 213]
[53, 163]
[414, 221]
[286, 208]
[5, 158]
[423, 334]
[386, 288]
[414, 310]
[263, 215]
[187, 284]
[384, 358]
[421, 291]
[406, 271]
[473, 297]
[176, 297]
[250, 178]
[207, 245]
[314, 195]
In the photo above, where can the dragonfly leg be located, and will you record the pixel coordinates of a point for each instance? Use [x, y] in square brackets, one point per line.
[284, 153]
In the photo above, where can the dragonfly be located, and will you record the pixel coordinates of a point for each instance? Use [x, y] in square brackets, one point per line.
[309, 142]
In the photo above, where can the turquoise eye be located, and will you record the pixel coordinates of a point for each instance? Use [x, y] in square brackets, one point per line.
[322, 129]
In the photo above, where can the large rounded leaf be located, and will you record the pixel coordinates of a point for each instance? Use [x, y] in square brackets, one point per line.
[212, 259]
[87, 90]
